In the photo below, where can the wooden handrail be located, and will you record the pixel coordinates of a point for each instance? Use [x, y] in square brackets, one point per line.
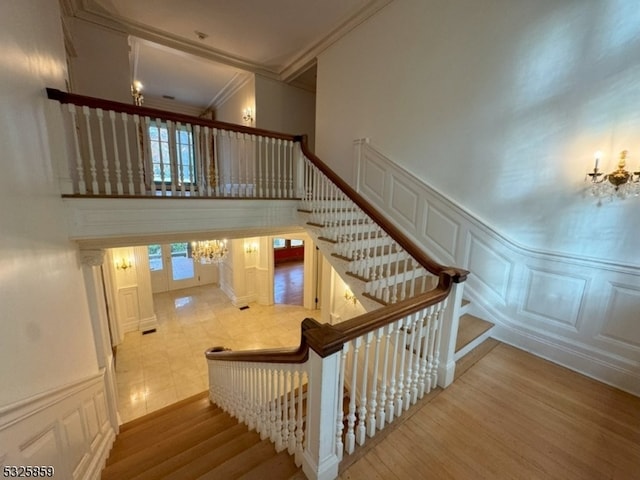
[275, 355]
[328, 339]
[81, 100]
[458, 275]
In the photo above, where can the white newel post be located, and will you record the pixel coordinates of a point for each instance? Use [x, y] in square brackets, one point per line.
[449, 331]
[320, 461]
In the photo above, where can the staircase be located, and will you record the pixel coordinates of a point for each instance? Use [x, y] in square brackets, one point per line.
[194, 439]
[378, 270]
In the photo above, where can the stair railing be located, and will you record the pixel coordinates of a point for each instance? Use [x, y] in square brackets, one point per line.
[359, 375]
[117, 149]
[344, 382]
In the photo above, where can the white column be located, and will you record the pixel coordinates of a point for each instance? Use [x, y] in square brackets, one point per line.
[450, 320]
[92, 261]
[320, 461]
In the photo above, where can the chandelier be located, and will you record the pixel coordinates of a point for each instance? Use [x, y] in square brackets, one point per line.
[619, 183]
[209, 251]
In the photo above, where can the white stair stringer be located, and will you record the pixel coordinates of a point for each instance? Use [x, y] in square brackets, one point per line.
[340, 265]
[364, 253]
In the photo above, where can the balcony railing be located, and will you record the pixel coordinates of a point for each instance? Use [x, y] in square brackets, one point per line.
[118, 149]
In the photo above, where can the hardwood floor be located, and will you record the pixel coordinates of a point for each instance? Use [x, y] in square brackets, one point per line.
[288, 283]
[512, 415]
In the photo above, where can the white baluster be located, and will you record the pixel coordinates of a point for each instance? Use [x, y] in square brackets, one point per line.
[127, 149]
[216, 162]
[299, 423]
[254, 187]
[373, 396]
[116, 154]
[362, 410]
[340, 412]
[401, 376]
[261, 192]
[278, 424]
[140, 162]
[82, 186]
[392, 383]
[291, 445]
[105, 159]
[350, 438]
[436, 353]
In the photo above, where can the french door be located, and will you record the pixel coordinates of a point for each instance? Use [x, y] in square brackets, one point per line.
[172, 267]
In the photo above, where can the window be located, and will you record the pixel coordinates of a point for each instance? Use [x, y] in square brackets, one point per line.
[155, 258]
[182, 168]
[286, 243]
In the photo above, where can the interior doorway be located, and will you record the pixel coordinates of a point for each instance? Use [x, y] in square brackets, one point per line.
[288, 271]
[172, 268]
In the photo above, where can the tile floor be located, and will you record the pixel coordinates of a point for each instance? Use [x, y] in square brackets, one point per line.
[158, 369]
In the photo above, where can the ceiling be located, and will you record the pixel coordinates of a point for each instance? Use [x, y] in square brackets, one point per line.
[200, 51]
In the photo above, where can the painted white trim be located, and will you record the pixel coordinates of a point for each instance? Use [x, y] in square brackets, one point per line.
[67, 427]
[18, 411]
[557, 306]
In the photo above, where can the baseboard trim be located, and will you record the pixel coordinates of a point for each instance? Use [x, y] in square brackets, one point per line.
[591, 366]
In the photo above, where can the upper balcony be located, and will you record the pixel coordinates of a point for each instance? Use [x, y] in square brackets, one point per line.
[131, 174]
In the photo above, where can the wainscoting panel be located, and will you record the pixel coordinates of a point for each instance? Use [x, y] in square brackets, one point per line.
[373, 178]
[622, 316]
[403, 201]
[578, 312]
[489, 267]
[441, 229]
[61, 429]
[553, 297]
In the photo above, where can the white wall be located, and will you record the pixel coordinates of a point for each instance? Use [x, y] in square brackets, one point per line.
[52, 401]
[284, 108]
[41, 286]
[499, 105]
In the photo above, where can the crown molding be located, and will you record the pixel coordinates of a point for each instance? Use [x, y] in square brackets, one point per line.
[306, 59]
[89, 11]
[238, 81]
[86, 11]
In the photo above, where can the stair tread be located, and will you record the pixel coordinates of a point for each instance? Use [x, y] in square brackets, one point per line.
[179, 461]
[208, 461]
[242, 463]
[281, 465]
[194, 402]
[470, 328]
[155, 451]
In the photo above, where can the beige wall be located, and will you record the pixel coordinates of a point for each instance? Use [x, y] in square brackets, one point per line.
[285, 108]
[101, 67]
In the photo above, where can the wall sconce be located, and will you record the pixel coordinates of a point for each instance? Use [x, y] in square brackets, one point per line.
[620, 182]
[123, 264]
[251, 247]
[247, 115]
[136, 93]
[349, 296]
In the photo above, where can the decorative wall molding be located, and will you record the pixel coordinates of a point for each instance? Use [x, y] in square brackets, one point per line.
[104, 223]
[576, 311]
[67, 428]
